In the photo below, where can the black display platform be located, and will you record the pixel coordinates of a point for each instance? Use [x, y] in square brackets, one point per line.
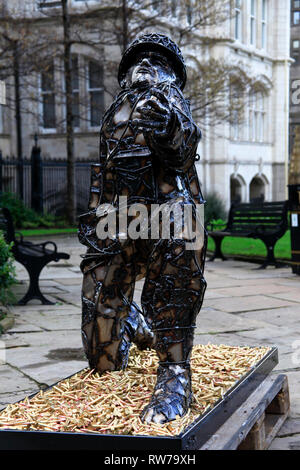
[192, 438]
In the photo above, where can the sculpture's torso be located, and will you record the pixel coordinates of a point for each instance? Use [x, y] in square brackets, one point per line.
[134, 167]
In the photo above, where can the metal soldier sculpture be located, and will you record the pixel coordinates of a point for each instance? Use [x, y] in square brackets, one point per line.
[148, 143]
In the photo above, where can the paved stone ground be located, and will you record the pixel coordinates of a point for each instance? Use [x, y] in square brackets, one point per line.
[243, 306]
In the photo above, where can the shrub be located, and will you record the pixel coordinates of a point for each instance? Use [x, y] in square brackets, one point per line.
[23, 216]
[214, 208]
[7, 272]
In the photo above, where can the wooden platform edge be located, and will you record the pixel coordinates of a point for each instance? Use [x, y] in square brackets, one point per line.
[256, 422]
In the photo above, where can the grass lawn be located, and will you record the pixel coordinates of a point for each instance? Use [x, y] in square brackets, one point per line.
[251, 247]
[46, 231]
[230, 245]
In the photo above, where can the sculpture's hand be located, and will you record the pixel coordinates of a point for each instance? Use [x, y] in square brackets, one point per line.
[154, 113]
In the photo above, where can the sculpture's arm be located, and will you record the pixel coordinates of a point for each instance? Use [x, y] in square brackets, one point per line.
[169, 128]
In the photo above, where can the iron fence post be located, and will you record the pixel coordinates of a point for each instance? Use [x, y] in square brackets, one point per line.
[36, 179]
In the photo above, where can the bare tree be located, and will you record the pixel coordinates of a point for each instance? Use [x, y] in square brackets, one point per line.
[71, 193]
[215, 88]
[21, 51]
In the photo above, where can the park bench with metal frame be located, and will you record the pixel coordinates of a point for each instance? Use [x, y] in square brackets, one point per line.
[266, 221]
[33, 256]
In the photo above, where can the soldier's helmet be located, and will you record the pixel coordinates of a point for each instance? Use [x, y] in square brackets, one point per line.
[153, 42]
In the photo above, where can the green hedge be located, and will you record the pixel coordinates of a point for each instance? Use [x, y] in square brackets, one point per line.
[7, 272]
[24, 217]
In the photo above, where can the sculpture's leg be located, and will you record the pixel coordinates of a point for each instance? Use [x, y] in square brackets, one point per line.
[111, 321]
[107, 293]
[171, 298]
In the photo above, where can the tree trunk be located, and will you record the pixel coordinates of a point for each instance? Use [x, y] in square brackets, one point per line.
[71, 195]
[125, 39]
[16, 70]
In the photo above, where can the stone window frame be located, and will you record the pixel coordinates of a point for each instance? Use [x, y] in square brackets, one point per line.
[295, 13]
[253, 20]
[236, 92]
[293, 44]
[257, 116]
[89, 91]
[76, 92]
[82, 90]
[264, 24]
[44, 93]
[238, 20]
[1, 119]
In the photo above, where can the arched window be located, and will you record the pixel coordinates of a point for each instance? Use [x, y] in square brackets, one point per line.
[237, 189]
[257, 188]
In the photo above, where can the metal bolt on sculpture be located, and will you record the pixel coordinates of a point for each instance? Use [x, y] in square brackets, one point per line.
[148, 144]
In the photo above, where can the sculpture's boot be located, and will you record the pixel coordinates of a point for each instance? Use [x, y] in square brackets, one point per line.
[172, 395]
[137, 330]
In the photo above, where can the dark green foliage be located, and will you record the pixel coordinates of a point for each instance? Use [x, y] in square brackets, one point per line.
[214, 208]
[24, 217]
[7, 272]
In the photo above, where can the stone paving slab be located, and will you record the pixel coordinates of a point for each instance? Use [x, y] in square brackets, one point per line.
[20, 289]
[51, 372]
[23, 326]
[246, 303]
[289, 427]
[293, 295]
[286, 443]
[294, 388]
[42, 323]
[214, 321]
[70, 298]
[270, 289]
[12, 380]
[51, 339]
[15, 396]
[278, 316]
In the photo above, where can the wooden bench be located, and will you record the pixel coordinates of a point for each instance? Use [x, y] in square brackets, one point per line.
[267, 221]
[32, 256]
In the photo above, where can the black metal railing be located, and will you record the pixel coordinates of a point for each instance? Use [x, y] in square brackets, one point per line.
[44, 182]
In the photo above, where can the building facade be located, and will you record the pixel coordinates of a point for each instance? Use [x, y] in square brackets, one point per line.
[244, 160]
[248, 161]
[295, 70]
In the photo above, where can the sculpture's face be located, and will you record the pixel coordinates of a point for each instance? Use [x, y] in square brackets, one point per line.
[151, 68]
